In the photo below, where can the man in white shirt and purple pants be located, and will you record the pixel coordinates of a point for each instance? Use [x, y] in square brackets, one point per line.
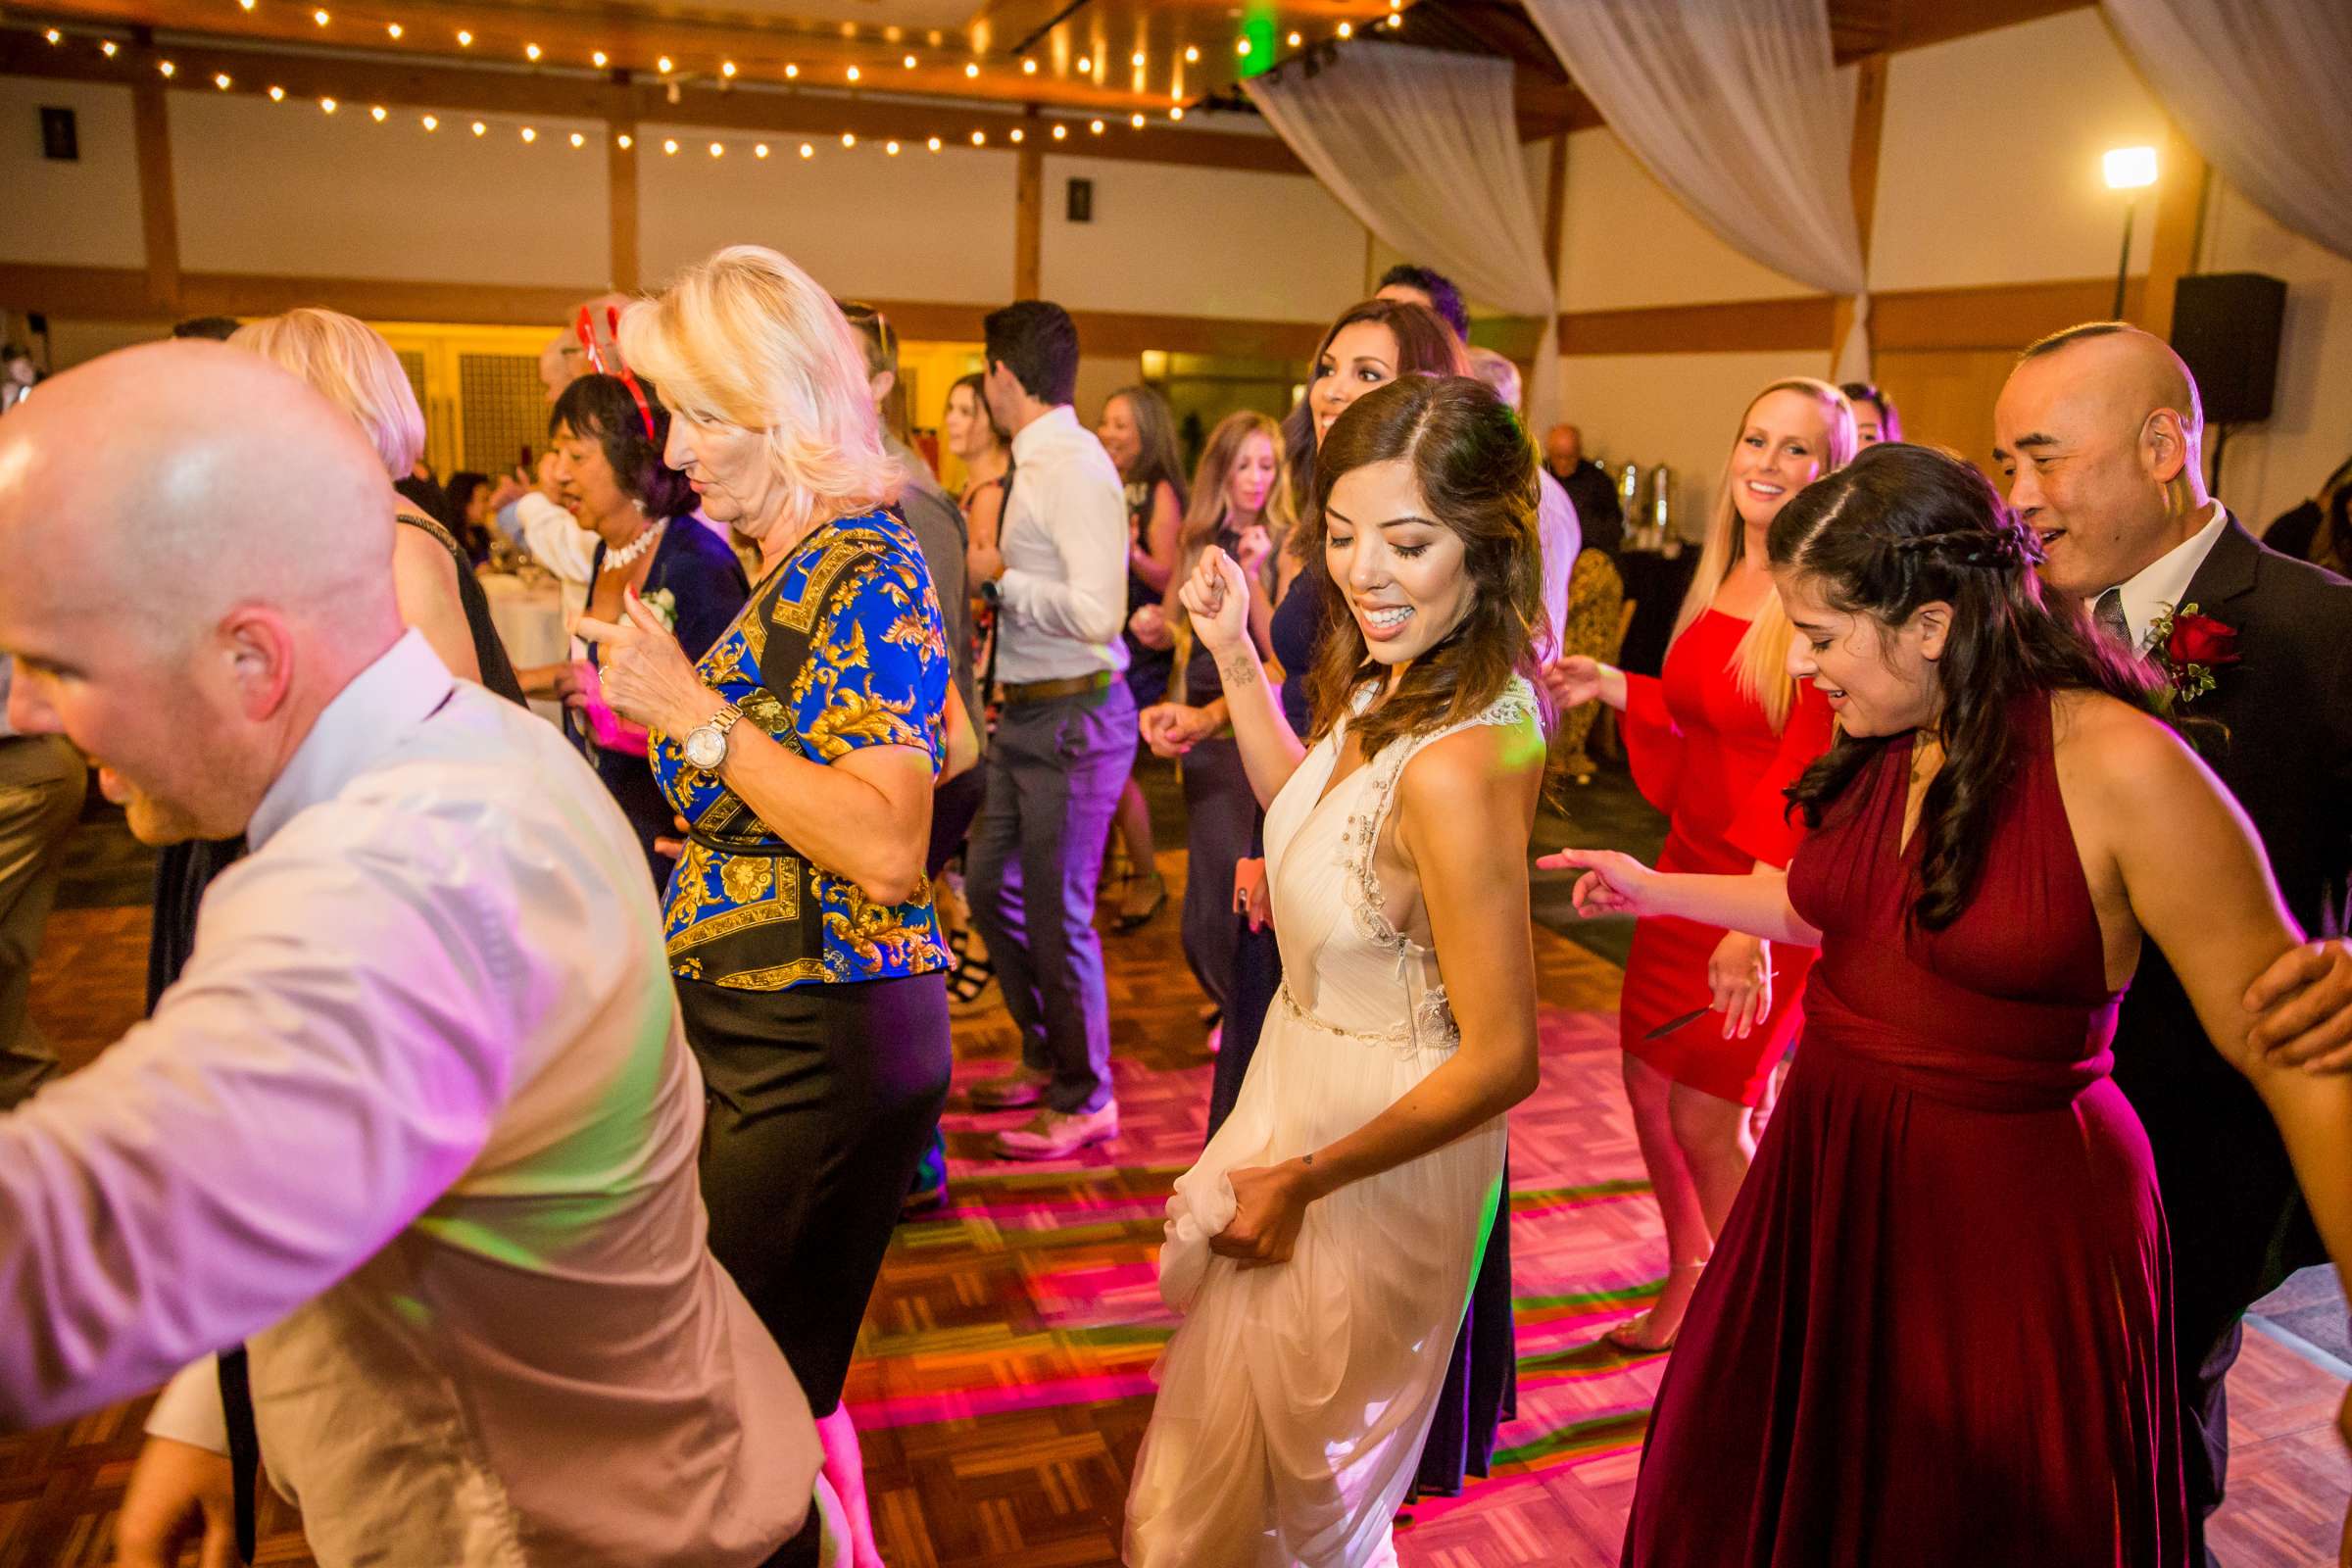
[417, 1124]
[1065, 737]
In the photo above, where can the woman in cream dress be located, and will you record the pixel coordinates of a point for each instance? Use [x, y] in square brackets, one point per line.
[1322, 1249]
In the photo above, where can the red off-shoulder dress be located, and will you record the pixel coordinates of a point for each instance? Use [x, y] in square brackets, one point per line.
[1705, 755]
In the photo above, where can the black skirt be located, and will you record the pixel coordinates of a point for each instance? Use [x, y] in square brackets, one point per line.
[820, 1101]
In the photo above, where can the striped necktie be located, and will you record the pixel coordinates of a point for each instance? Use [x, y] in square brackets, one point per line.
[2109, 614]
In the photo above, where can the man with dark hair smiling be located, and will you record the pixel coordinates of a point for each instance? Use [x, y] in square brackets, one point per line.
[2098, 431]
[1064, 742]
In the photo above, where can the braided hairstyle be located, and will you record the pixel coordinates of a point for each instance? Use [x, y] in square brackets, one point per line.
[1901, 527]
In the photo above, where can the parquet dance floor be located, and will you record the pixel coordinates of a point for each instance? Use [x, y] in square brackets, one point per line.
[1005, 1374]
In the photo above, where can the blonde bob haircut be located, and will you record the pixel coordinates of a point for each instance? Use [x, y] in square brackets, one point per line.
[349, 363]
[1761, 660]
[747, 338]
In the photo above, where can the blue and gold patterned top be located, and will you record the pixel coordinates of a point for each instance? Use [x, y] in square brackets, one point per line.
[840, 647]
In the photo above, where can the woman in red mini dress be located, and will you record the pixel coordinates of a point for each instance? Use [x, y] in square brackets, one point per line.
[1713, 740]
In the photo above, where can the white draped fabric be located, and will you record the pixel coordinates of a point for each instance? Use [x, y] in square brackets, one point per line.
[1423, 148]
[1734, 106]
[2259, 88]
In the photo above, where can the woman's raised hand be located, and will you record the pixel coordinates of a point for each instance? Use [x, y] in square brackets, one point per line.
[1612, 883]
[1217, 597]
[1577, 679]
[647, 679]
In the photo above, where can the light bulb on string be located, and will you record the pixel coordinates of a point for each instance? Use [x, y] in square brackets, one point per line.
[853, 73]
[979, 139]
[327, 105]
[935, 144]
[278, 95]
[166, 67]
[792, 73]
[529, 134]
[107, 48]
[1240, 46]
[579, 140]
[321, 18]
[379, 114]
[1294, 41]
[1061, 132]
[530, 52]
[1191, 55]
[759, 150]
[1176, 113]
[719, 149]
[465, 39]
[970, 70]
[908, 61]
[221, 81]
[600, 58]
[432, 123]
[626, 141]
[1136, 60]
[663, 65]
[807, 151]
[891, 147]
[1095, 127]
[848, 138]
[1346, 29]
[670, 145]
[480, 130]
[1137, 120]
[1028, 68]
[394, 29]
[1017, 135]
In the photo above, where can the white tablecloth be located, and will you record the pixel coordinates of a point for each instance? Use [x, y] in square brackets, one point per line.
[528, 614]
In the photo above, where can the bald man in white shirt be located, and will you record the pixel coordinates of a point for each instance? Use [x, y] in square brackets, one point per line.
[418, 1123]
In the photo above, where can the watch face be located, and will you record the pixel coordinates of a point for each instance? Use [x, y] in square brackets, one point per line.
[705, 747]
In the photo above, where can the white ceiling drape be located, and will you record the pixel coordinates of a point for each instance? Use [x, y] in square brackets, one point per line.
[2259, 88]
[1734, 106]
[1423, 147]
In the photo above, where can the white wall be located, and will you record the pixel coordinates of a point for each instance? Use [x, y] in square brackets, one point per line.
[1176, 240]
[920, 226]
[1988, 161]
[2268, 468]
[1681, 409]
[1626, 242]
[284, 188]
[82, 213]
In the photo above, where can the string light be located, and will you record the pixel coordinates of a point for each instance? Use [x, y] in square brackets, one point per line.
[221, 81]
[848, 138]
[107, 48]
[1191, 55]
[480, 130]
[1346, 29]
[600, 58]
[321, 18]
[1017, 135]
[760, 151]
[278, 95]
[670, 145]
[1061, 133]
[935, 144]
[379, 114]
[853, 73]
[1240, 46]
[627, 141]
[394, 29]
[432, 123]
[719, 149]
[663, 65]
[1137, 120]
[1028, 68]
[726, 68]
[792, 73]
[909, 61]
[529, 134]
[807, 151]
[327, 103]
[1396, 20]
[891, 147]
[979, 139]
[53, 36]
[1095, 127]
[971, 69]
[530, 52]
[579, 140]
[1137, 58]
[1176, 113]
[465, 39]
[166, 67]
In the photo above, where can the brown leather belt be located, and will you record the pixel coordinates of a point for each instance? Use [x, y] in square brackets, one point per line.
[1044, 691]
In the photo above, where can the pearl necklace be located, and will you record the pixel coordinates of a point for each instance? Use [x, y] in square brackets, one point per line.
[627, 555]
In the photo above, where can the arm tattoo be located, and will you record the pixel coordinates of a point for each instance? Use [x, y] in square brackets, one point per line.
[1237, 667]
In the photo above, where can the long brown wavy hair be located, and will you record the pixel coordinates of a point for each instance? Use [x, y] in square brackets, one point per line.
[1475, 470]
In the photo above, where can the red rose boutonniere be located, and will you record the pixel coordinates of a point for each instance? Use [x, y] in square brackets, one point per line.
[2191, 648]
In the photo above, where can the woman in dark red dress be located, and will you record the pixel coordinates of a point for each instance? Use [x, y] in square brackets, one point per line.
[1714, 741]
[1940, 1331]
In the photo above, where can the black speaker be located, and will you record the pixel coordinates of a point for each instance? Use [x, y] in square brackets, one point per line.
[2225, 326]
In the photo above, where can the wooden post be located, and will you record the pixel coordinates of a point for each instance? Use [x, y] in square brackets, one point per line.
[159, 209]
[621, 182]
[1862, 176]
[1555, 203]
[1029, 218]
[2180, 228]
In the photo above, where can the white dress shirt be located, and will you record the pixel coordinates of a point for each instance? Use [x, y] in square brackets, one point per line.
[418, 1124]
[2162, 583]
[1064, 597]
[1562, 537]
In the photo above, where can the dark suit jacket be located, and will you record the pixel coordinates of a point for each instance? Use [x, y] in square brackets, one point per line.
[1598, 511]
[2230, 1197]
